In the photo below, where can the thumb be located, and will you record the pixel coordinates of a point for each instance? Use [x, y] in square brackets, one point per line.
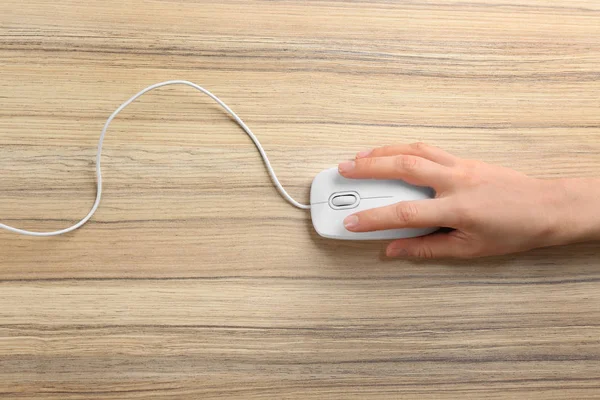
[436, 245]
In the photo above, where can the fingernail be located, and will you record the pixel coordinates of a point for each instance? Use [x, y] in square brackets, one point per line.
[351, 222]
[397, 252]
[363, 154]
[346, 166]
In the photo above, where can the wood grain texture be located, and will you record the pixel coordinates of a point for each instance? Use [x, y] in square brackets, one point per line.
[196, 281]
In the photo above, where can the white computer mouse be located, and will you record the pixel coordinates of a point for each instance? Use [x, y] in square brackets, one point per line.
[333, 198]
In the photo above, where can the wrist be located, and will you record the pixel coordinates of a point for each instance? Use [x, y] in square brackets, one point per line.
[576, 210]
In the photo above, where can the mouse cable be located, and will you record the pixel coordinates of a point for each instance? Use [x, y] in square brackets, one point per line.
[237, 119]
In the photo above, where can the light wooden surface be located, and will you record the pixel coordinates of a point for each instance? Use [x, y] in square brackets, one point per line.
[195, 280]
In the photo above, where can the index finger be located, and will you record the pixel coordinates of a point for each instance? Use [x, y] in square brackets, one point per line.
[411, 169]
[423, 150]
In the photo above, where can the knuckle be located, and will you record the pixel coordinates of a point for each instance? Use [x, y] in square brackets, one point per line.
[471, 165]
[463, 214]
[466, 247]
[419, 146]
[406, 163]
[380, 151]
[406, 213]
[424, 252]
[468, 175]
[366, 163]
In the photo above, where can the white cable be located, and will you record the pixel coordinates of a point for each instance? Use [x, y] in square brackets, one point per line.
[237, 119]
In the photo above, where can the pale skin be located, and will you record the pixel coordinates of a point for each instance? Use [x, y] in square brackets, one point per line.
[491, 210]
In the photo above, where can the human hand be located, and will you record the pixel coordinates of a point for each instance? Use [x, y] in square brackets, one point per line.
[492, 210]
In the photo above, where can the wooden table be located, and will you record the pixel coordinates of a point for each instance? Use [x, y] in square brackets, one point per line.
[195, 280]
